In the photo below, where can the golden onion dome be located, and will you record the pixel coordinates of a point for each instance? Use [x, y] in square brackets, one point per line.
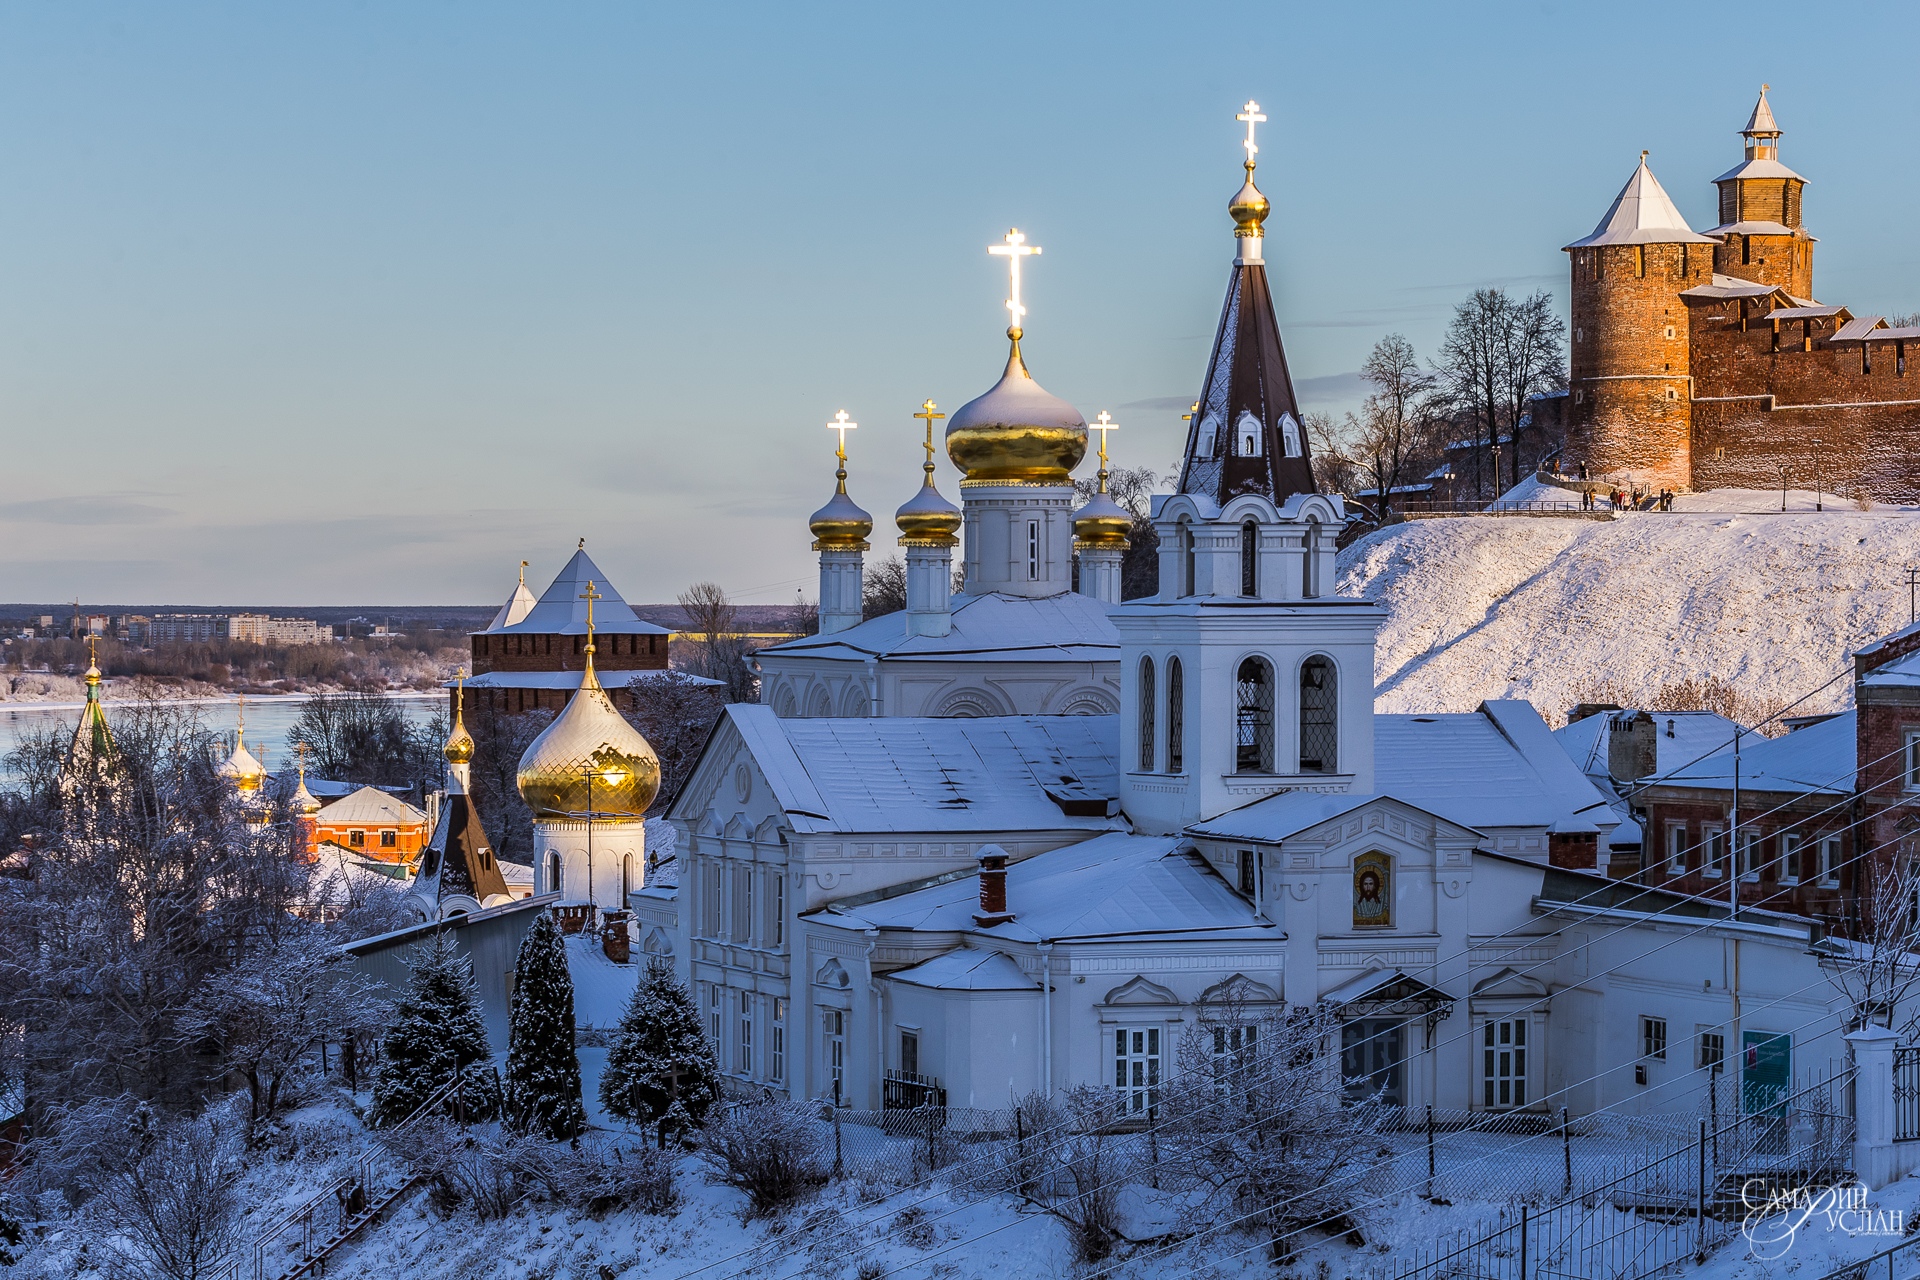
[1017, 432]
[840, 525]
[589, 761]
[243, 767]
[1102, 523]
[928, 517]
[459, 747]
[303, 801]
[1249, 208]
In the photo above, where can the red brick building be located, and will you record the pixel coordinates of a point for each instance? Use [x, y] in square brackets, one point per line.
[1817, 808]
[1704, 361]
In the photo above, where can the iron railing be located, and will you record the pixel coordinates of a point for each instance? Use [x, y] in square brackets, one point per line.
[908, 1090]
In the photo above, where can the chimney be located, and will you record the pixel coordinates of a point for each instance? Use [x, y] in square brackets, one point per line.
[993, 888]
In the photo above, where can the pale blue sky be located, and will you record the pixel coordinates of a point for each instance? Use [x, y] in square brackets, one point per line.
[366, 303]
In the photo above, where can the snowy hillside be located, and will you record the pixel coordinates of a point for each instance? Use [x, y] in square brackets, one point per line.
[1555, 610]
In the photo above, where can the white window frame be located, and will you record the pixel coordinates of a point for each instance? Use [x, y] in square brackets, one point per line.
[834, 1041]
[1653, 1038]
[743, 1050]
[1713, 845]
[1137, 1061]
[1677, 848]
[777, 1041]
[777, 907]
[1910, 763]
[716, 1018]
[1747, 854]
[1829, 856]
[1710, 1050]
[1504, 1043]
[1793, 856]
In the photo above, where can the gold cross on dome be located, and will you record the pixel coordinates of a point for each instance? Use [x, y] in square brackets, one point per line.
[1013, 248]
[300, 749]
[590, 595]
[1103, 424]
[93, 642]
[927, 413]
[460, 682]
[841, 425]
[1251, 116]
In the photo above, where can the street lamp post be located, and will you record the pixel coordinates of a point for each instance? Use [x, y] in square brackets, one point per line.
[1783, 486]
[1496, 471]
[1819, 487]
[613, 775]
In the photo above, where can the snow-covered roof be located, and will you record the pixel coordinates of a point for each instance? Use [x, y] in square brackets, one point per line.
[571, 679]
[1858, 329]
[1499, 766]
[1805, 313]
[371, 807]
[1732, 287]
[1750, 228]
[1680, 738]
[994, 627]
[518, 605]
[1759, 168]
[1283, 816]
[601, 988]
[1818, 758]
[517, 874]
[1111, 885]
[1760, 122]
[1901, 672]
[968, 969]
[910, 773]
[1643, 213]
[561, 611]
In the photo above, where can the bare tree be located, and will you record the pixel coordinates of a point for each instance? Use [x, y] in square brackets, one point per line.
[1393, 438]
[268, 1013]
[1258, 1115]
[770, 1151]
[1878, 969]
[674, 714]
[1533, 362]
[884, 588]
[721, 651]
[1472, 368]
[174, 1205]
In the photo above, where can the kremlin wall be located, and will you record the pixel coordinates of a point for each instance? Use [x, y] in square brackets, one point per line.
[1704, 360]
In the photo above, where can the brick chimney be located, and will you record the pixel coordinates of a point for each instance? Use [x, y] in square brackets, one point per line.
[993, 888]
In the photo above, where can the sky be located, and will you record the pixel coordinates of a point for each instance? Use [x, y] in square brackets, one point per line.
[366, 303]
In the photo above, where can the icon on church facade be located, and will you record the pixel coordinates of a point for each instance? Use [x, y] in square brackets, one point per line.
[1373, 891]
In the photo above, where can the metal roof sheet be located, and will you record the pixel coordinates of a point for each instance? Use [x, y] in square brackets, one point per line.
[992, 627]
[1643, 213]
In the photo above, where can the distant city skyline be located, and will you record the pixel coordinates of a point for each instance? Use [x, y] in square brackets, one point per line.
[302, 307]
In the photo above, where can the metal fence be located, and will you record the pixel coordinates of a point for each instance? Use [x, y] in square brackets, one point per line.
[1678, 1203]
[1906, 1093]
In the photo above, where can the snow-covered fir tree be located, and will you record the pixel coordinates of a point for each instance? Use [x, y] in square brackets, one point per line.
[660, 1070]
[543, 1070]
[436, 1030]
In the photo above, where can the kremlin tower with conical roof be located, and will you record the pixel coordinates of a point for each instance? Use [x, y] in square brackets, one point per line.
[588, 778]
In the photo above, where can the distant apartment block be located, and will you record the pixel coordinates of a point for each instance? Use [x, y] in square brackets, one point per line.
[187, 628]
[258, 628]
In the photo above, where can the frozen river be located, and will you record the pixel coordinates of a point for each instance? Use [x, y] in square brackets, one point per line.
[268, 720]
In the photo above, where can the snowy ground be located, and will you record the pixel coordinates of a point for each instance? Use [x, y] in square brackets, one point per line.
[1553, 609]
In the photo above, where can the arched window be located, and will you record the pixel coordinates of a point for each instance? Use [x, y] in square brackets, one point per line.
[553, 873]
[626, 878]
[1310, 583]
[1176, 716]
[1186, 558]
[1146, 715]
[1319, 717]
[1253, 718]
[1249, 559]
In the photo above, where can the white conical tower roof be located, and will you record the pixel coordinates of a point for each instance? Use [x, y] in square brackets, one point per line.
[518, 605]
[1760, 123]
[1643, 213]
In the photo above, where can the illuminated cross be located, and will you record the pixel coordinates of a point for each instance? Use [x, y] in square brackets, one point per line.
[1252, 117]
[590, 595]
[1103, 424]
[1014, 248]
[841, 425]
[927, 413]
[300, 749]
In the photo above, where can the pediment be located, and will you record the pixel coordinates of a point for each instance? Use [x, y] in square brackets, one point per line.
[1509, 982]
[1137, 990]
[1239, 989]
[737, 828]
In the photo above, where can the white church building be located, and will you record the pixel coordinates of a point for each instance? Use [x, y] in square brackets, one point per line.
[1025, 837]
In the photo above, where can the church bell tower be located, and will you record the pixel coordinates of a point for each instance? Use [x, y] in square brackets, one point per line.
[1246, 676]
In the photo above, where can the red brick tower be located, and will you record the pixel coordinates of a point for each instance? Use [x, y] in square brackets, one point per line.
[1761, 237]
[1629, 415]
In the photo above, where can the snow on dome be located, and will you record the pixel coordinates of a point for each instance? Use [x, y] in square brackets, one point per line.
[1643, 213]
[589, 760]
[1017, 431]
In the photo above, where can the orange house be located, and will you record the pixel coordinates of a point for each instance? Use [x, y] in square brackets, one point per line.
[373, 824]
